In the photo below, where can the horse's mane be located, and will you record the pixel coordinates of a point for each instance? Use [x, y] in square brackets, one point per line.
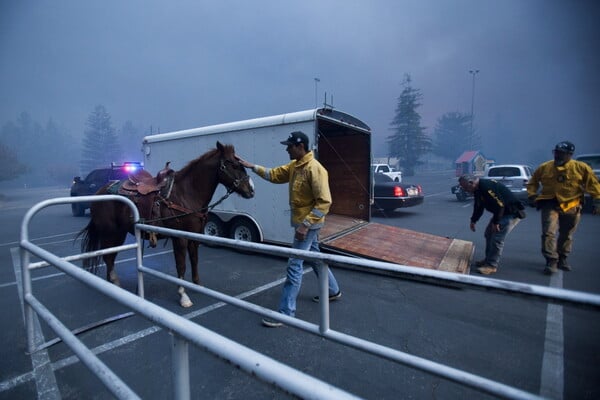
[228, 151]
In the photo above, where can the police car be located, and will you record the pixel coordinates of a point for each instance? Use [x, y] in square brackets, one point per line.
[98, 178]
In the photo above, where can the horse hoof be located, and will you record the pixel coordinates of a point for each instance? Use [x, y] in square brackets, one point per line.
[116, 282]
[186, 303]
[153, 239]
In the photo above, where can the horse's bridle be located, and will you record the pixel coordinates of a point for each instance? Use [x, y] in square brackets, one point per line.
[235, 181]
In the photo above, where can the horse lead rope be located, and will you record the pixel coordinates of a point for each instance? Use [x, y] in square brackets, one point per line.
[186, 211]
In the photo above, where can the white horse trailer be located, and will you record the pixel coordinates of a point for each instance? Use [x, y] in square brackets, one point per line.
[342, 143]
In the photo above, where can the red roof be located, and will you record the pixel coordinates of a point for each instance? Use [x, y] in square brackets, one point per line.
[467, 156]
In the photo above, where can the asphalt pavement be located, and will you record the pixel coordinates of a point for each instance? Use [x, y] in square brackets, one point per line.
[539, 348]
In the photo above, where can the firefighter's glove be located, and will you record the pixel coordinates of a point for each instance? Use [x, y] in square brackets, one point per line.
[596, 209]
[531, 201]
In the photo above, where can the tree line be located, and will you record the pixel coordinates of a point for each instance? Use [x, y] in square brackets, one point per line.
[50, 154]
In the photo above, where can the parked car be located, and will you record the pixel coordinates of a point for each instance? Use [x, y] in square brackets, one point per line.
[387, 170]
[514, 176]
[460, 194]
[593, 160]
[389, 195]
[96, 179]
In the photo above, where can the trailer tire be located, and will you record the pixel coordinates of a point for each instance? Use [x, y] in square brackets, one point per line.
[214, 226]
[243, 229]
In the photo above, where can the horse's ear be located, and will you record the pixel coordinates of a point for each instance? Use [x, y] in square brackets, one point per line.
[220, 146]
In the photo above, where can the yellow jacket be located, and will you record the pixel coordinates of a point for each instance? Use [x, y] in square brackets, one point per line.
[310, 198]
[566, 183]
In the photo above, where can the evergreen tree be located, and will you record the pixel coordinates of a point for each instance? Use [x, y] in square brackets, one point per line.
[10, 167]
[48, 151]
[100, 142]
[131, 139]
[452, 135]
[409, 140]
[23, 137]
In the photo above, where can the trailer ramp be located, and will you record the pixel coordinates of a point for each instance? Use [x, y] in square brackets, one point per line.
[349, 236]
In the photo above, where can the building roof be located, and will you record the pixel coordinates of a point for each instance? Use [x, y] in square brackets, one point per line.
[467, 156]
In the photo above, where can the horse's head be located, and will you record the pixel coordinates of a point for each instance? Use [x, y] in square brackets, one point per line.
[232, 174]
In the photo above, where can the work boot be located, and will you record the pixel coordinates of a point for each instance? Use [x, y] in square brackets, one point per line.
[332, 297]
[271, 323]
[480, 263]
[551, 266]
[487, 269]
[563, 264]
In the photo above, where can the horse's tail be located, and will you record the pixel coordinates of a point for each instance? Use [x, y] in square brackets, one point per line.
[90, 241]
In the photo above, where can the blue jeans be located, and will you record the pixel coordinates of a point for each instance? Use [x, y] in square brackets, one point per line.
[293, 280]
[494, 241]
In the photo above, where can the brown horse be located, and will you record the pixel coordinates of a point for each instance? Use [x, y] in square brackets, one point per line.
[184, 208]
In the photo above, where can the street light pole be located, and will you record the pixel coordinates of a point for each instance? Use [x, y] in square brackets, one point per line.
[473, 72]
[317, 80]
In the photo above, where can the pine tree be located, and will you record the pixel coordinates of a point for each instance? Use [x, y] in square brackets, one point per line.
[409, 140]
[131, 139]
[452, 135]
[10, 167]
[100, 142]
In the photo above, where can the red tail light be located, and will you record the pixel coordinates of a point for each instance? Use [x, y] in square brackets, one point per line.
[420, 189]
[398, 191]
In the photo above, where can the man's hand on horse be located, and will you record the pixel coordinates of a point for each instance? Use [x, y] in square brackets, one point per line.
[244, 162]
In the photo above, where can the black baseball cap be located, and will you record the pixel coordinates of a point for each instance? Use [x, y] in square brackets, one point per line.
[295, 138]
[565, 147]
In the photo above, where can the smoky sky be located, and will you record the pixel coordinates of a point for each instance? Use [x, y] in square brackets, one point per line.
[181, 64]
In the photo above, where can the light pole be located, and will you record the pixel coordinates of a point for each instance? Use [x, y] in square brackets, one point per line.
[473, 72]
[317, 80]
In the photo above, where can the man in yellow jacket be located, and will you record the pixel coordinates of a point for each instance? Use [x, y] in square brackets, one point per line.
[310, 200]
[563, 182]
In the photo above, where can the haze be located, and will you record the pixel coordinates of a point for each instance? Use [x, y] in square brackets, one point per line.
[174, 65]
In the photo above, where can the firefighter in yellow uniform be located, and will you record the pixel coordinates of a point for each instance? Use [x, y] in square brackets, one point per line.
[563, 182]
[310, 200]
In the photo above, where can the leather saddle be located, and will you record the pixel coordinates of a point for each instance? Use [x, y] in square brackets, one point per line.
[144, 189]
[144, 183]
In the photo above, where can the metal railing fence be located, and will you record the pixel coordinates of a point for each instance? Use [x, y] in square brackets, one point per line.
[293, 381]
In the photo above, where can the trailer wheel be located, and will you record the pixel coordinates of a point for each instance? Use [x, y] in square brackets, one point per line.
[461, 196]
[214, 226]
[242, 229]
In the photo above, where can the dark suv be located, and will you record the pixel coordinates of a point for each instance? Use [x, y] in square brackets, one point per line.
[96, 179]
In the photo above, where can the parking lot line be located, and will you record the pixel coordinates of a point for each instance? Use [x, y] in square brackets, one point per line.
[552, 377]
[49, 368]
[43, 374]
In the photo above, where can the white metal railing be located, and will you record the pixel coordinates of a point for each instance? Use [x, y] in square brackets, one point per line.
[183, 331]
[294, 382]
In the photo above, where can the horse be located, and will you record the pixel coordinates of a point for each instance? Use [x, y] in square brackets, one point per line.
[183, 207]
